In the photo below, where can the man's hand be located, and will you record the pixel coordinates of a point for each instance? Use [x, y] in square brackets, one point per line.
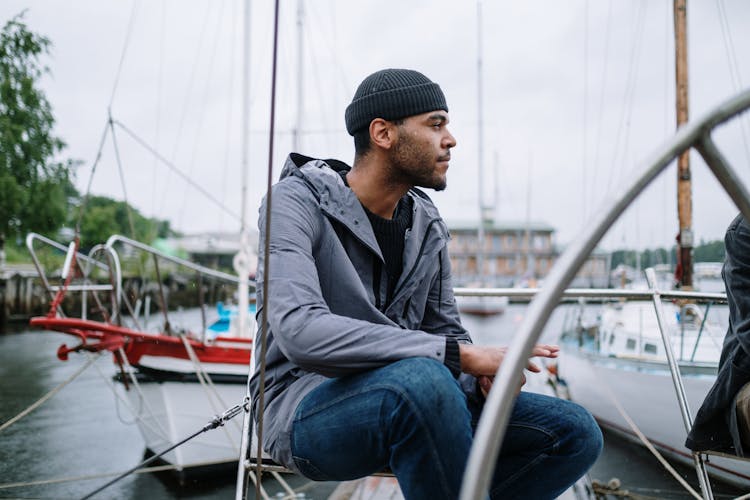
[484, 361]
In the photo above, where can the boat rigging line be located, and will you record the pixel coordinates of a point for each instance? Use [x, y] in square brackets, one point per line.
[202, 105]
[97, 158]
[555, 382]
[124, 52]
[646, 442]
[241, 489]
[216, 421]
[175, 169]
[128, 210]
[734, 68]
[600, 115]
[229, 109]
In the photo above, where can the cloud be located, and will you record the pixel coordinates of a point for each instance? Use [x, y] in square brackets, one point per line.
[578, 104]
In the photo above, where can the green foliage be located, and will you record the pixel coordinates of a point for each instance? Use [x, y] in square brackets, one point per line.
[103, 217]
[713, 251]
[15, 254]
[33, 184]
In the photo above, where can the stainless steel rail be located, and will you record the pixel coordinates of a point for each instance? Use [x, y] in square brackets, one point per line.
[679, 387]
[494, 420]
[112, 240]
[80, 257]
[588, 293]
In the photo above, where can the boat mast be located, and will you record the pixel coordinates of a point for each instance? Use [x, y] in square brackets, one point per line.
[684, 183]
[480, 148]
[242, 258]
[300, 71]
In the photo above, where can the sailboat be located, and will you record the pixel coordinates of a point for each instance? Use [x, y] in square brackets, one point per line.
[174, 371]
[620, 361]
[479, 305]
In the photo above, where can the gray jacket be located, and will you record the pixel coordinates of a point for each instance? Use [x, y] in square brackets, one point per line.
[322, 318]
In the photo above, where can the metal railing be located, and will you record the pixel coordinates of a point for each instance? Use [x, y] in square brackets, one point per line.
[83, 266]
[494, 420]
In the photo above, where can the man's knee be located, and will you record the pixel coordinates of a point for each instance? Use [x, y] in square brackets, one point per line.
[427, 388]
[585, 438]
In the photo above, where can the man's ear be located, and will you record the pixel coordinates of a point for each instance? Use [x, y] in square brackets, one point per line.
[382, 133]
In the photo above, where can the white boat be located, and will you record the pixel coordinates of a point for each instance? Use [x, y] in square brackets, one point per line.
[481, 306]
[644, 369]
[176, 374]
[616, 366]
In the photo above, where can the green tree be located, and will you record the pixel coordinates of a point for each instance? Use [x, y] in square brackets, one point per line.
[104, 217]
[33, 182]
[713, 251]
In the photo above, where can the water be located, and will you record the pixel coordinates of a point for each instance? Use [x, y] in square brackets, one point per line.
[82, 432]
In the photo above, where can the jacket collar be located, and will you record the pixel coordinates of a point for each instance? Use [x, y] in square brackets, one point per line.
[340, 203]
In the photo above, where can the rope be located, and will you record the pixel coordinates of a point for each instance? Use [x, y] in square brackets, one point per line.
[176, 170]
[646, 441]
[612, 488]
[218, 420]
[44, 398]
[266, 252]
[186, 105]
[259, 488]
[229, 114]
[584, 156]
[623, 129]
[733, 65]
[199, 119]
[124, 51]
[128, 210]
[600, 114]
[207, 384]
[137, 414]
[97, 158]
[158, 104]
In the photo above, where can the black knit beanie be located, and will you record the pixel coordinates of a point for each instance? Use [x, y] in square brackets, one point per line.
[392, 94]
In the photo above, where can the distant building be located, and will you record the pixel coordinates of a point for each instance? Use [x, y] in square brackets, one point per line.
[214, 250]
[514, 254]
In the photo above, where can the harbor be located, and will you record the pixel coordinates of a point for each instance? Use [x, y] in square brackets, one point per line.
[127, 347]
[55, 452]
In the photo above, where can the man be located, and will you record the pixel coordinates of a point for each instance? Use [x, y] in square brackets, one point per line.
[368, 366]
[723, 421]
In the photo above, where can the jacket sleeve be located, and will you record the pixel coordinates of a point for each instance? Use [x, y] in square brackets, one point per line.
[303, 326]
[442, 318]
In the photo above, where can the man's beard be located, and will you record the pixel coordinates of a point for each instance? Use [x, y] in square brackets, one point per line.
[413, 164]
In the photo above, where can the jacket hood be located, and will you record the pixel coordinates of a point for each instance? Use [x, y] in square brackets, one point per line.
[323, 177]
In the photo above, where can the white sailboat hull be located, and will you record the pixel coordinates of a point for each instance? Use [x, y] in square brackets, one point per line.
[170, 411]
[481, 306]
[646, 393]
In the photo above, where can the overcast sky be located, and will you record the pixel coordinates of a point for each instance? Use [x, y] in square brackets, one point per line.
[577, 94]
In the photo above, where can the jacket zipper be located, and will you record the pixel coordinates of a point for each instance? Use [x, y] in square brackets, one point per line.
[416, 261]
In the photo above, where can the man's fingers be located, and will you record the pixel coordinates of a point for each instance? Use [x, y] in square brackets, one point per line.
[533, 367]
[485, 384]
[545, 351]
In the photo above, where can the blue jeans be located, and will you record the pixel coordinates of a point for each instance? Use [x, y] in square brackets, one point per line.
[412, 417]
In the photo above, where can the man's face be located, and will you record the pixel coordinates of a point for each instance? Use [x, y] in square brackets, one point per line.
[421, 153]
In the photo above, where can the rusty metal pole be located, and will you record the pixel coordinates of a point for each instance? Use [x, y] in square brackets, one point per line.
[684, 183]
